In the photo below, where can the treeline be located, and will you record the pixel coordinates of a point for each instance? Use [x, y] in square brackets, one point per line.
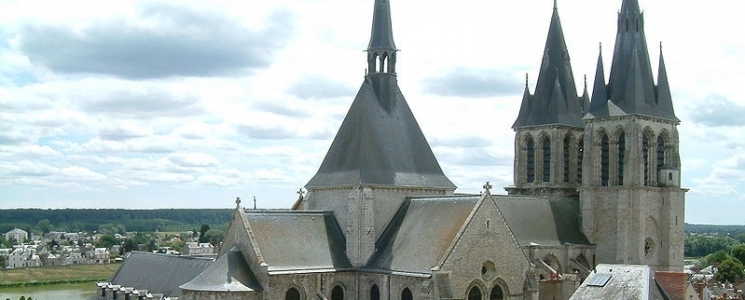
[76, 220]
[730, 230]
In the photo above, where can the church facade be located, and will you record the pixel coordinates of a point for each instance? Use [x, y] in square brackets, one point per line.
[596, 180]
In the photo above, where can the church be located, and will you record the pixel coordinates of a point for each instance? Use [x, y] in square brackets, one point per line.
[596, 181]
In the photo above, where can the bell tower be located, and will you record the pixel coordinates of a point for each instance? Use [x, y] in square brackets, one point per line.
[631, 200]
[549, 128]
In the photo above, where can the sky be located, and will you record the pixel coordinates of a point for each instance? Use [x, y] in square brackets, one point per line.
[190, 104]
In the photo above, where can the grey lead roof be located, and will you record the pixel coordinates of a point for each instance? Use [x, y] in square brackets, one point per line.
[379, 141]
[298, 240]
[549, 222]
[230, 273]
[555, 100]
[433, 222]
[631, 89]
[158, 273]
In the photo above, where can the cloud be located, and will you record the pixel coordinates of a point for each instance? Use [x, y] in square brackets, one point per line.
[266, 133]
[717, 111]
[282, 110]
[462, 142]
[147, 104]
[473, 83]
[168, 41]
[316, 87]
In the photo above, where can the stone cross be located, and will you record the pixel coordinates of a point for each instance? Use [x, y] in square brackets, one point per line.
[237, 201]
[301, 192]
[487, 186]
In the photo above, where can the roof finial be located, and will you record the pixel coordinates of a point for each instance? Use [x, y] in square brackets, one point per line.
[585, 81]
[488, 186]
[660, 46]
[526, 79]
[254, 202]
[237, 202]
[555, 5]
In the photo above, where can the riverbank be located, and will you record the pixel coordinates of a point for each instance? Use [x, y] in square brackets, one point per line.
[56, 275]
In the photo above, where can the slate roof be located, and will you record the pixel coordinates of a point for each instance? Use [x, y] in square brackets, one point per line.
[158, 273]
[230, 273]
[295, 241]
[433, 222]
[381, 36]
[620, 282]
[555, 100]
[380, 143]
[631, 89]
[541, 220]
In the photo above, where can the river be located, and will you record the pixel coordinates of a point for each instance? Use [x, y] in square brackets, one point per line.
[72, 291]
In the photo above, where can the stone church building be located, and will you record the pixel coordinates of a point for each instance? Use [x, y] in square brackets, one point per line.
[596, 180]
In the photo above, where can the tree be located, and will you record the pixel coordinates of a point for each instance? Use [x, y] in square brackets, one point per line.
[129, 246]
[44, 226]
[730, 270]
[215, 236]
[202, 233]
[718, 256]
[106, 241]
[739, 252]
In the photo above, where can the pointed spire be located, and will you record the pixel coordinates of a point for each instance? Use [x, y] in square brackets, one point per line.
[554, 79]
[599, 100]
[523, 117]
[585, 99]
[381, 37]
[664, 97]
[631, 85]
[381, 51]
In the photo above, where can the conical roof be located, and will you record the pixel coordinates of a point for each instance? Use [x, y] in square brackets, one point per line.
[380, 143]
[631, 87]
[555, 100]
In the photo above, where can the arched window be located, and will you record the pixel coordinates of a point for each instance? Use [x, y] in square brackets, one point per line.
[292, 294]
[621, 156]
[567, 141]
[474, 293]
[546, 160]
[645, 154]
[406, 294]
[496, 293]
[374, 292]
[337, 293]
[530, 165]
[660, 153]
[604, 160]
[580, 159]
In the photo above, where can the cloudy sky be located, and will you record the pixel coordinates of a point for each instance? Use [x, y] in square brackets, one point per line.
[189, 104]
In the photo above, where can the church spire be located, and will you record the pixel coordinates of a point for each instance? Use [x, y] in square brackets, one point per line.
[664, 97]
[631, 86]
[555, 100]
[381, 51]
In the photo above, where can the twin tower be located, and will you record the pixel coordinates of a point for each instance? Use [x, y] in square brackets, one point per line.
[616, 151]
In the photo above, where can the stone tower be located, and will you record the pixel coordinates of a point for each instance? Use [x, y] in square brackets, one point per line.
[379, 156]
[631, 201]
[549, 127]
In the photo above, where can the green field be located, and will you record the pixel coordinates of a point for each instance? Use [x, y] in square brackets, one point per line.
[56, 274]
